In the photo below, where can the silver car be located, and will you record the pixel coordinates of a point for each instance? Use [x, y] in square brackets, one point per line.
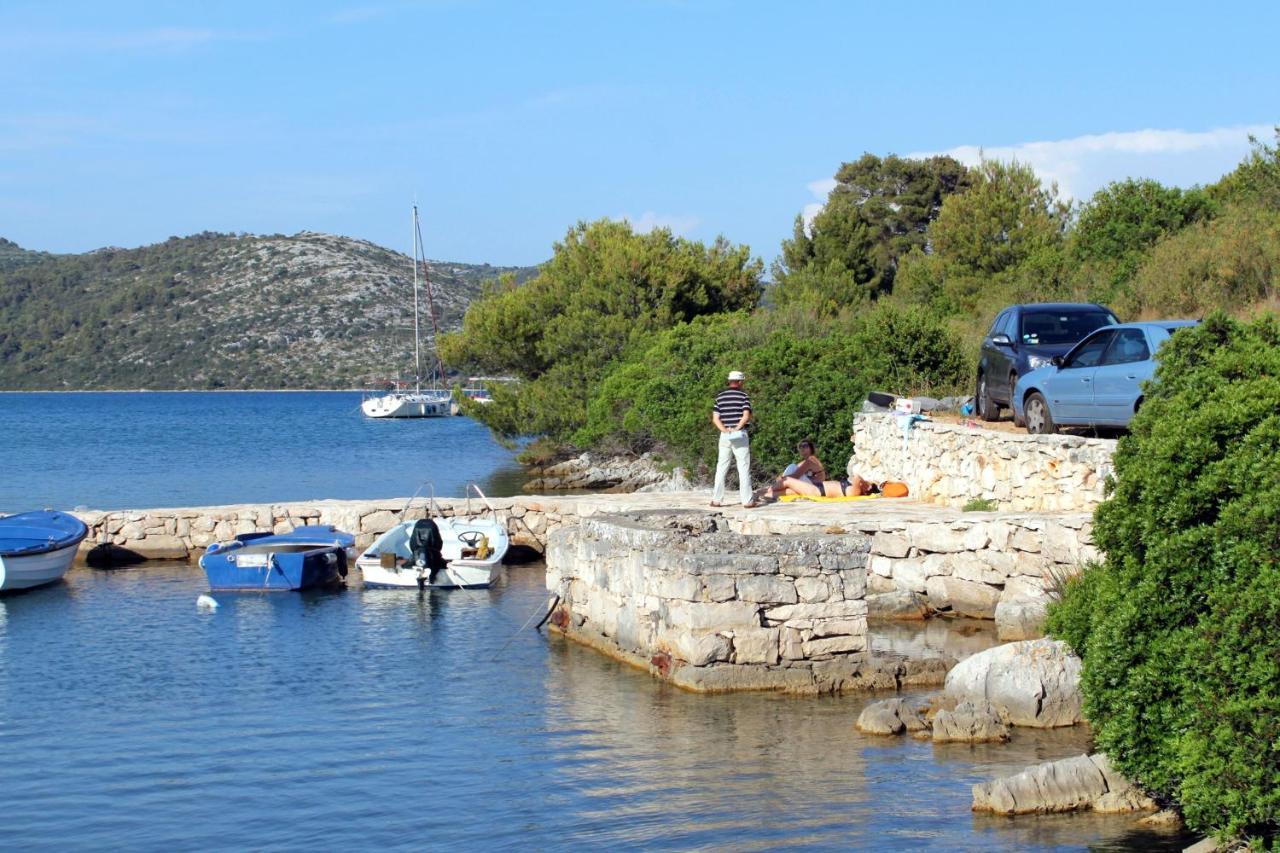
[1097, 383]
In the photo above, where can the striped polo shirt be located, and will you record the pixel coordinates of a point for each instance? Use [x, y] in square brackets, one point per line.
[730, 404]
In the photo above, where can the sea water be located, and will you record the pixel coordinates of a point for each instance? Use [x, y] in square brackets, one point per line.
[154, 449]
[392, 719]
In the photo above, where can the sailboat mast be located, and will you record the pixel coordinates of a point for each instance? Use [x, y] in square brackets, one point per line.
[431, 309]
[417, 349]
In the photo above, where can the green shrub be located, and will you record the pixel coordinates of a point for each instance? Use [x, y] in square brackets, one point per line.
[804, 382]
[980, 505]
[1178, 628]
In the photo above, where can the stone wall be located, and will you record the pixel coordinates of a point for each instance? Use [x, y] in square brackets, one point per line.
[952, 464]
[184, 532]
[686, 598]
[1001, 567]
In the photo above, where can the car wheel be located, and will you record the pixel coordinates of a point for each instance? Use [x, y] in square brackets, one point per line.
[987, 408]
[1039, 419]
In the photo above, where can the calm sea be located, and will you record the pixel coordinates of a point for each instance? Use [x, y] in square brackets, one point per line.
[363, 719]
[153, 449]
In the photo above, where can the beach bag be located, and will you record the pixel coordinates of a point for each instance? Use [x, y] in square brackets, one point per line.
[894, 489]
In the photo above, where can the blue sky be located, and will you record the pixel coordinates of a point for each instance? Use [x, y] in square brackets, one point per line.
[125, 123]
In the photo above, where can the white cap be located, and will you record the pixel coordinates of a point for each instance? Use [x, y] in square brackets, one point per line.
[736, 376]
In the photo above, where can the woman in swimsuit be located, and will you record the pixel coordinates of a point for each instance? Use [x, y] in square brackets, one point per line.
[809, 478]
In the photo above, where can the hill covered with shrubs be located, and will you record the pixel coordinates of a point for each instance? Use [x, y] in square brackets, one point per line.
[219, 311]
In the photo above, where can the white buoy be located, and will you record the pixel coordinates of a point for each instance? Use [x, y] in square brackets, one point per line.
[206, 602]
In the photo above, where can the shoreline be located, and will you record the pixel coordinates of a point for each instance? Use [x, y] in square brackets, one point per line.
[191, 391]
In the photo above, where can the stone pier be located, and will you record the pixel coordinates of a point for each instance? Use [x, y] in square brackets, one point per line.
[685, 597]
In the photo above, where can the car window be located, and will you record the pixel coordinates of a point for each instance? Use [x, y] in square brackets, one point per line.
[1042, 328]
[998, 326]
[1127, 346]
[1089, 353]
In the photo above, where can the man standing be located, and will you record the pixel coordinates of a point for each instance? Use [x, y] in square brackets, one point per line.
[731, 414]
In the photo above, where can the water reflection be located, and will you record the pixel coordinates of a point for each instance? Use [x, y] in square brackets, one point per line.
[397, 718]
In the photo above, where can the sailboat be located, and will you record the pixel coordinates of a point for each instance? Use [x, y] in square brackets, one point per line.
[431, 402]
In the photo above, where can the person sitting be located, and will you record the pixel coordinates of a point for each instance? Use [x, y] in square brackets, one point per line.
[809, 469]
[817, 486]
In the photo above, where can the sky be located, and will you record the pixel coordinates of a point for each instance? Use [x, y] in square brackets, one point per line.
[127, 123]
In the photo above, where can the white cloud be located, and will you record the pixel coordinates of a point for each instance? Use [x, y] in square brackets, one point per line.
[820, 189]
[681, 226]
[1084, 164]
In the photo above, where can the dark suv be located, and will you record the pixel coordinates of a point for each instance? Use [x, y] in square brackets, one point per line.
[1024, 338]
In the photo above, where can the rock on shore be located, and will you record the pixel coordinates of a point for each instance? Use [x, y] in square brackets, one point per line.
[1030, 683]
[613, 474]
[1085, 782]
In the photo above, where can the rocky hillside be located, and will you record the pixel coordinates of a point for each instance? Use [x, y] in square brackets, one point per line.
[221, 311]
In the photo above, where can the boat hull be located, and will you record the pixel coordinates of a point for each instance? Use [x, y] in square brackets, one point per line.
[32, 570]
[284, 572]
[407, 406]
[453, 576]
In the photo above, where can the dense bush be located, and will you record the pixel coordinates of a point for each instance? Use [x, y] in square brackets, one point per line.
[806, 379]
[1230, 262]
[1178, 628]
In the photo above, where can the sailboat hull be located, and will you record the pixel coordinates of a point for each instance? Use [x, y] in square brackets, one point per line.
[407, 406]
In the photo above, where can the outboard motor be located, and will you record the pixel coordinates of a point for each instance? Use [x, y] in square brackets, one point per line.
[426, 546]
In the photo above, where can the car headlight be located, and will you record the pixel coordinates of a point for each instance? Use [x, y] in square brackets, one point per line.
[1038, 361]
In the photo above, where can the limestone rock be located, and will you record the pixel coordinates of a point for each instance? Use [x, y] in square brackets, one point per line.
[890, 717]
[890, 544]
[701, 649]
[1020, 620]
[900, 605]
[756, 645]
[969, 722]
[881, 718]
[1030, 683]
[1070, 784]
[964, 597]
[767, 589]
[155, 547]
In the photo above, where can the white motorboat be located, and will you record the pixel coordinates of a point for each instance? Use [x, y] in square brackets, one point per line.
[37, 548]
[463, 552]
[421, 403]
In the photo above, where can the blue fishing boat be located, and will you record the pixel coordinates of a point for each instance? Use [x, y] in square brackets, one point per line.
[37, 548]
[310, 556]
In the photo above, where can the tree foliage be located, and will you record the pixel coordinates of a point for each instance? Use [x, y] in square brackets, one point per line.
[606, 289]
[1124, 219]
[806, 378]
[1256, 181]
[990, 236]
[878, 210]
[1177, 628]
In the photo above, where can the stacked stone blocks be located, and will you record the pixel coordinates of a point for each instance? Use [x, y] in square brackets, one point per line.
[680, 594]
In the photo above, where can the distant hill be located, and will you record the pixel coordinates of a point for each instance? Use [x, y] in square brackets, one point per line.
[12, 255]
[221, 311]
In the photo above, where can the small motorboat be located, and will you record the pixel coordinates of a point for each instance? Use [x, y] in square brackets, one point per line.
[306, 557]
[445, 553]
[37, 548]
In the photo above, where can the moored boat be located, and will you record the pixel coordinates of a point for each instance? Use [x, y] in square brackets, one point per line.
[306, 557]
[398, 404]
[37, 548]
[464, 552]
[421, 403]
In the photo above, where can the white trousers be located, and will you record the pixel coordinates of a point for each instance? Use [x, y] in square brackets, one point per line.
[741, 451]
